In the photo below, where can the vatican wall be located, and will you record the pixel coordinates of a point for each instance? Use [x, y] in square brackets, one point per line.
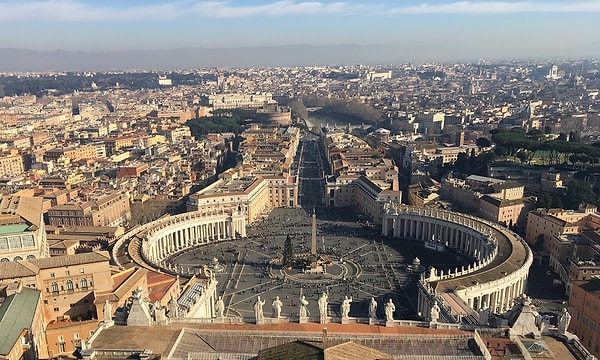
[501, 259]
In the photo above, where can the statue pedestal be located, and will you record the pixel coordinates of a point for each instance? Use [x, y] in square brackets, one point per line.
[372, 321]
[303, 319]
[389, 323]
[433, 325]
[345, 320]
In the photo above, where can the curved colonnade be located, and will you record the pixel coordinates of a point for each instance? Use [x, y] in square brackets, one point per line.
[501, 257]
[164, 237]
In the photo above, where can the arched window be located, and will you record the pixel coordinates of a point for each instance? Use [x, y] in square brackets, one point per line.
[83, 283]
[18, 258]
[69, 285]
[54, 287]
[30, 257]
[4, 260]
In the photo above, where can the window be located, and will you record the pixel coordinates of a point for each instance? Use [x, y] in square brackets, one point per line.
[67, 273]
[69, 285]
[81, 271]
[54, 287]
[51, 275]
[46, 302]
[83, 283]
[76, 336]
[56, 309]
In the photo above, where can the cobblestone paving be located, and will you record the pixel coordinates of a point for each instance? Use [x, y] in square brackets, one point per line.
[381, 265]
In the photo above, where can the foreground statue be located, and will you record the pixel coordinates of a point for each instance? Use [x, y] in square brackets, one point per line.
[277, 305]
[345, 307]
[220, 307]
[258, 311]
[303, 310]
[373, 309]
[563, 321]
[434, 313]
[389, 310]
[323, 302]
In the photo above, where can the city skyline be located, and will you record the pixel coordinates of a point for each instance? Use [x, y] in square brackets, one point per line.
[412, 30]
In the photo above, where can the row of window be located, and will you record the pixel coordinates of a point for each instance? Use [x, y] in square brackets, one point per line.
[83, 284]
[17, 258]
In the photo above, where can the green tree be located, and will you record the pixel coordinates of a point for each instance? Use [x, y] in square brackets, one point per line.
[578, 191]
[288, 252]
[483, 143]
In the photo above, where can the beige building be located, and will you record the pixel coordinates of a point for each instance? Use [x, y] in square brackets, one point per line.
[366, 195]
[67, 286]
[22, 229]
[234, 101]
[11, 165]
[112, 209]
[542, 224]
[255, 195]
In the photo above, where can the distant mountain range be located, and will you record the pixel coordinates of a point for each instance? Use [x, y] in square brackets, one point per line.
[12, 59]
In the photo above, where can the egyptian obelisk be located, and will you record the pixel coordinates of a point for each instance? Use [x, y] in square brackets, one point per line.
[313, 244]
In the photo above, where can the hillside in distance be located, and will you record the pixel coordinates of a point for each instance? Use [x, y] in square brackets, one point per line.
[14, 60]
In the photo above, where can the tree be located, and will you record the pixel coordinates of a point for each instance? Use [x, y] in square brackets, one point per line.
[483, 143]
[578, 191]
[288, 252]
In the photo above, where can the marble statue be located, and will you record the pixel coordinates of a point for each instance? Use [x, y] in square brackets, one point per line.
[434, 313]
[303, 310]
[107, 311]
[277, 305]
[346, 306]
[258, 310]
[389, 310]
[220, 307]
[373, 309]
[173, 308]
[563, 321]
[323, 299]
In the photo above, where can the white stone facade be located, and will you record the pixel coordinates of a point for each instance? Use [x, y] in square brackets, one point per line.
[168, 236]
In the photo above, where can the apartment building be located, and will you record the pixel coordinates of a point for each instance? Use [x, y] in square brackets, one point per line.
[11, 165]
[103, 209]
[545, 223]
[584, 305]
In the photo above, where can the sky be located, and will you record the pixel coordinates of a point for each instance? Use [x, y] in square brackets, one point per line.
[437, 28]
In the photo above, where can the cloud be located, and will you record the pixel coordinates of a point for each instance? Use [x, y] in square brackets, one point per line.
[500, 7]
[79, 11]
[57, 11]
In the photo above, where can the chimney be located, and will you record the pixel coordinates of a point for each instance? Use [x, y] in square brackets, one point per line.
[324, 341]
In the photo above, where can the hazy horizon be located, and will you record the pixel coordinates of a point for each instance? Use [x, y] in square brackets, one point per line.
[411, 30]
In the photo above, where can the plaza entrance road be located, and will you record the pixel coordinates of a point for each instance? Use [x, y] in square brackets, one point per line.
[341, 234]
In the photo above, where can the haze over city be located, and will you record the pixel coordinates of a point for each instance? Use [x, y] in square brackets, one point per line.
[83, 34]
